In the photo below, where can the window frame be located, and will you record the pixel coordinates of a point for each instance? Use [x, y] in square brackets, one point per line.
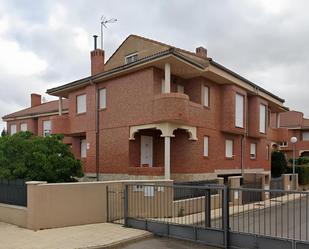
[206, 146]
[232, 148]
[180, 89]
[263, 131]
[243, 111]
[45, 134]
[132, 55]
[307, 135]
[83, 150]
[102, 107]
[21, 125]
[77, 105]
[206, 102]
[255, 151]
[13, 125]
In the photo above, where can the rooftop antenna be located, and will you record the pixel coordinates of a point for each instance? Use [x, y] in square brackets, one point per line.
[105, 21]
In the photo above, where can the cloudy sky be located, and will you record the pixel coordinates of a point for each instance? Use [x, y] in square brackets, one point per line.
[47, 44]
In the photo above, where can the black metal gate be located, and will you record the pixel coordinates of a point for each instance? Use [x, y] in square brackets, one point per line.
[115, 204]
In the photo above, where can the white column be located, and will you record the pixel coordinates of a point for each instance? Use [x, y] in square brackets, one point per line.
[60, 106]
[167, 79]
[167, 157]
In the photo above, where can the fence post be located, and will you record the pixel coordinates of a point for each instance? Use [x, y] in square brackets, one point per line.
[207, 209]
[126, 205]
[226, 215]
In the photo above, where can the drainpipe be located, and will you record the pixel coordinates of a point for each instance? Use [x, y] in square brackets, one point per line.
[97, 132]
[242, 148]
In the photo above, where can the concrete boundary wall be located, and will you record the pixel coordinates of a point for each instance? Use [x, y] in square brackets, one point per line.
[15, 215]
[65, 204]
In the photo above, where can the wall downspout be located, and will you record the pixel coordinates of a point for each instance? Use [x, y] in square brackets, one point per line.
[97, 133]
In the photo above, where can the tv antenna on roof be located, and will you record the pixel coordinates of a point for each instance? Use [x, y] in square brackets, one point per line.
[104, 22]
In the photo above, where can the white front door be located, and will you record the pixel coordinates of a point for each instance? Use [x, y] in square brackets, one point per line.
[146, 150]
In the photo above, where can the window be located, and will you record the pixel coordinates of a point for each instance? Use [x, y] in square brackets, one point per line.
[102, 97]
[262, 118]
[46, 128]
[283, 144]
[83, 148]
[229, 148]
[180, 89]
[131, 58]
[13, 129]
[81, 104]
[239, 111]
[23, 127]
[206, 96]
[253, 151]
[306, 136]
[206, 139]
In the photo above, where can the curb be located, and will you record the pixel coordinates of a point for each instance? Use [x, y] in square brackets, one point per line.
[121, 243]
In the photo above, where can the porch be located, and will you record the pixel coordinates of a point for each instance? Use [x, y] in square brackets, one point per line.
[150, 147]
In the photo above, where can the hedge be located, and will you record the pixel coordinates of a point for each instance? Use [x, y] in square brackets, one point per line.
[303, 173]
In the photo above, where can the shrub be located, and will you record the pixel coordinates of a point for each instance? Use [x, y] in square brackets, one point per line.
[302, 160]
[278, 164]
[29, 157]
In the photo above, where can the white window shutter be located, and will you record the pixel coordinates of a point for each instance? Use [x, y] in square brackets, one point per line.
[206, 141]
[262, 118]
[239, 111]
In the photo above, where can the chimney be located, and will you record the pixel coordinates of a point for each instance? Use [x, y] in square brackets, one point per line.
[201, 52]
[35, 99]
[97, 58]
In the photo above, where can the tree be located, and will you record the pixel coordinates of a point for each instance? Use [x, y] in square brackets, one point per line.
[29, 157]
[4, 133]
[278, 164]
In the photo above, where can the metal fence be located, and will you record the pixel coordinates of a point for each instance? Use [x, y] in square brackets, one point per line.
[279, 219]
[13, 192]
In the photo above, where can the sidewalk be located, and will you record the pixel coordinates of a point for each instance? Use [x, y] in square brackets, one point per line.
[94, 236]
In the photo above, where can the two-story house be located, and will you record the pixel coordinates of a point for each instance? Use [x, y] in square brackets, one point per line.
[153, 111]
[298, 127]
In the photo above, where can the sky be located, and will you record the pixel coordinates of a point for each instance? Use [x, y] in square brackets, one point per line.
[46, 43]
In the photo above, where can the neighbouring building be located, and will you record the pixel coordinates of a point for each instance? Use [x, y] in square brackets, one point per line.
[298, 127]
[156, 111]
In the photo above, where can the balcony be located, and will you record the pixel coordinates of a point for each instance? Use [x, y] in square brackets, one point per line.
[171, 107]
[60, 124]
[147, 171]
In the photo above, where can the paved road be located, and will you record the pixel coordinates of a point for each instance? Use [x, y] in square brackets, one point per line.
[285, 220]
[165, 243]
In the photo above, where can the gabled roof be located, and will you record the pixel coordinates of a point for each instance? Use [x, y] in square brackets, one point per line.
[45, 108]
[163, 51]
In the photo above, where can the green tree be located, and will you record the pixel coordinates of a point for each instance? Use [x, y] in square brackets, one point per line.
[4, 133]
[29, 157]
[278, 164]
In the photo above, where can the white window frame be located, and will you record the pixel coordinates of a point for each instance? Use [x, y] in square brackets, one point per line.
[130, 58]
[262, 126]
[23, 127]
[102, 98]
[83, 148]
[206, 96]
[253, 151]
[229, 148]
[81, 103]
[206, 146]
[13, 131]
[46, 128]
[283, 144]
[239, 110]
[305, 136]
[180, 88]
